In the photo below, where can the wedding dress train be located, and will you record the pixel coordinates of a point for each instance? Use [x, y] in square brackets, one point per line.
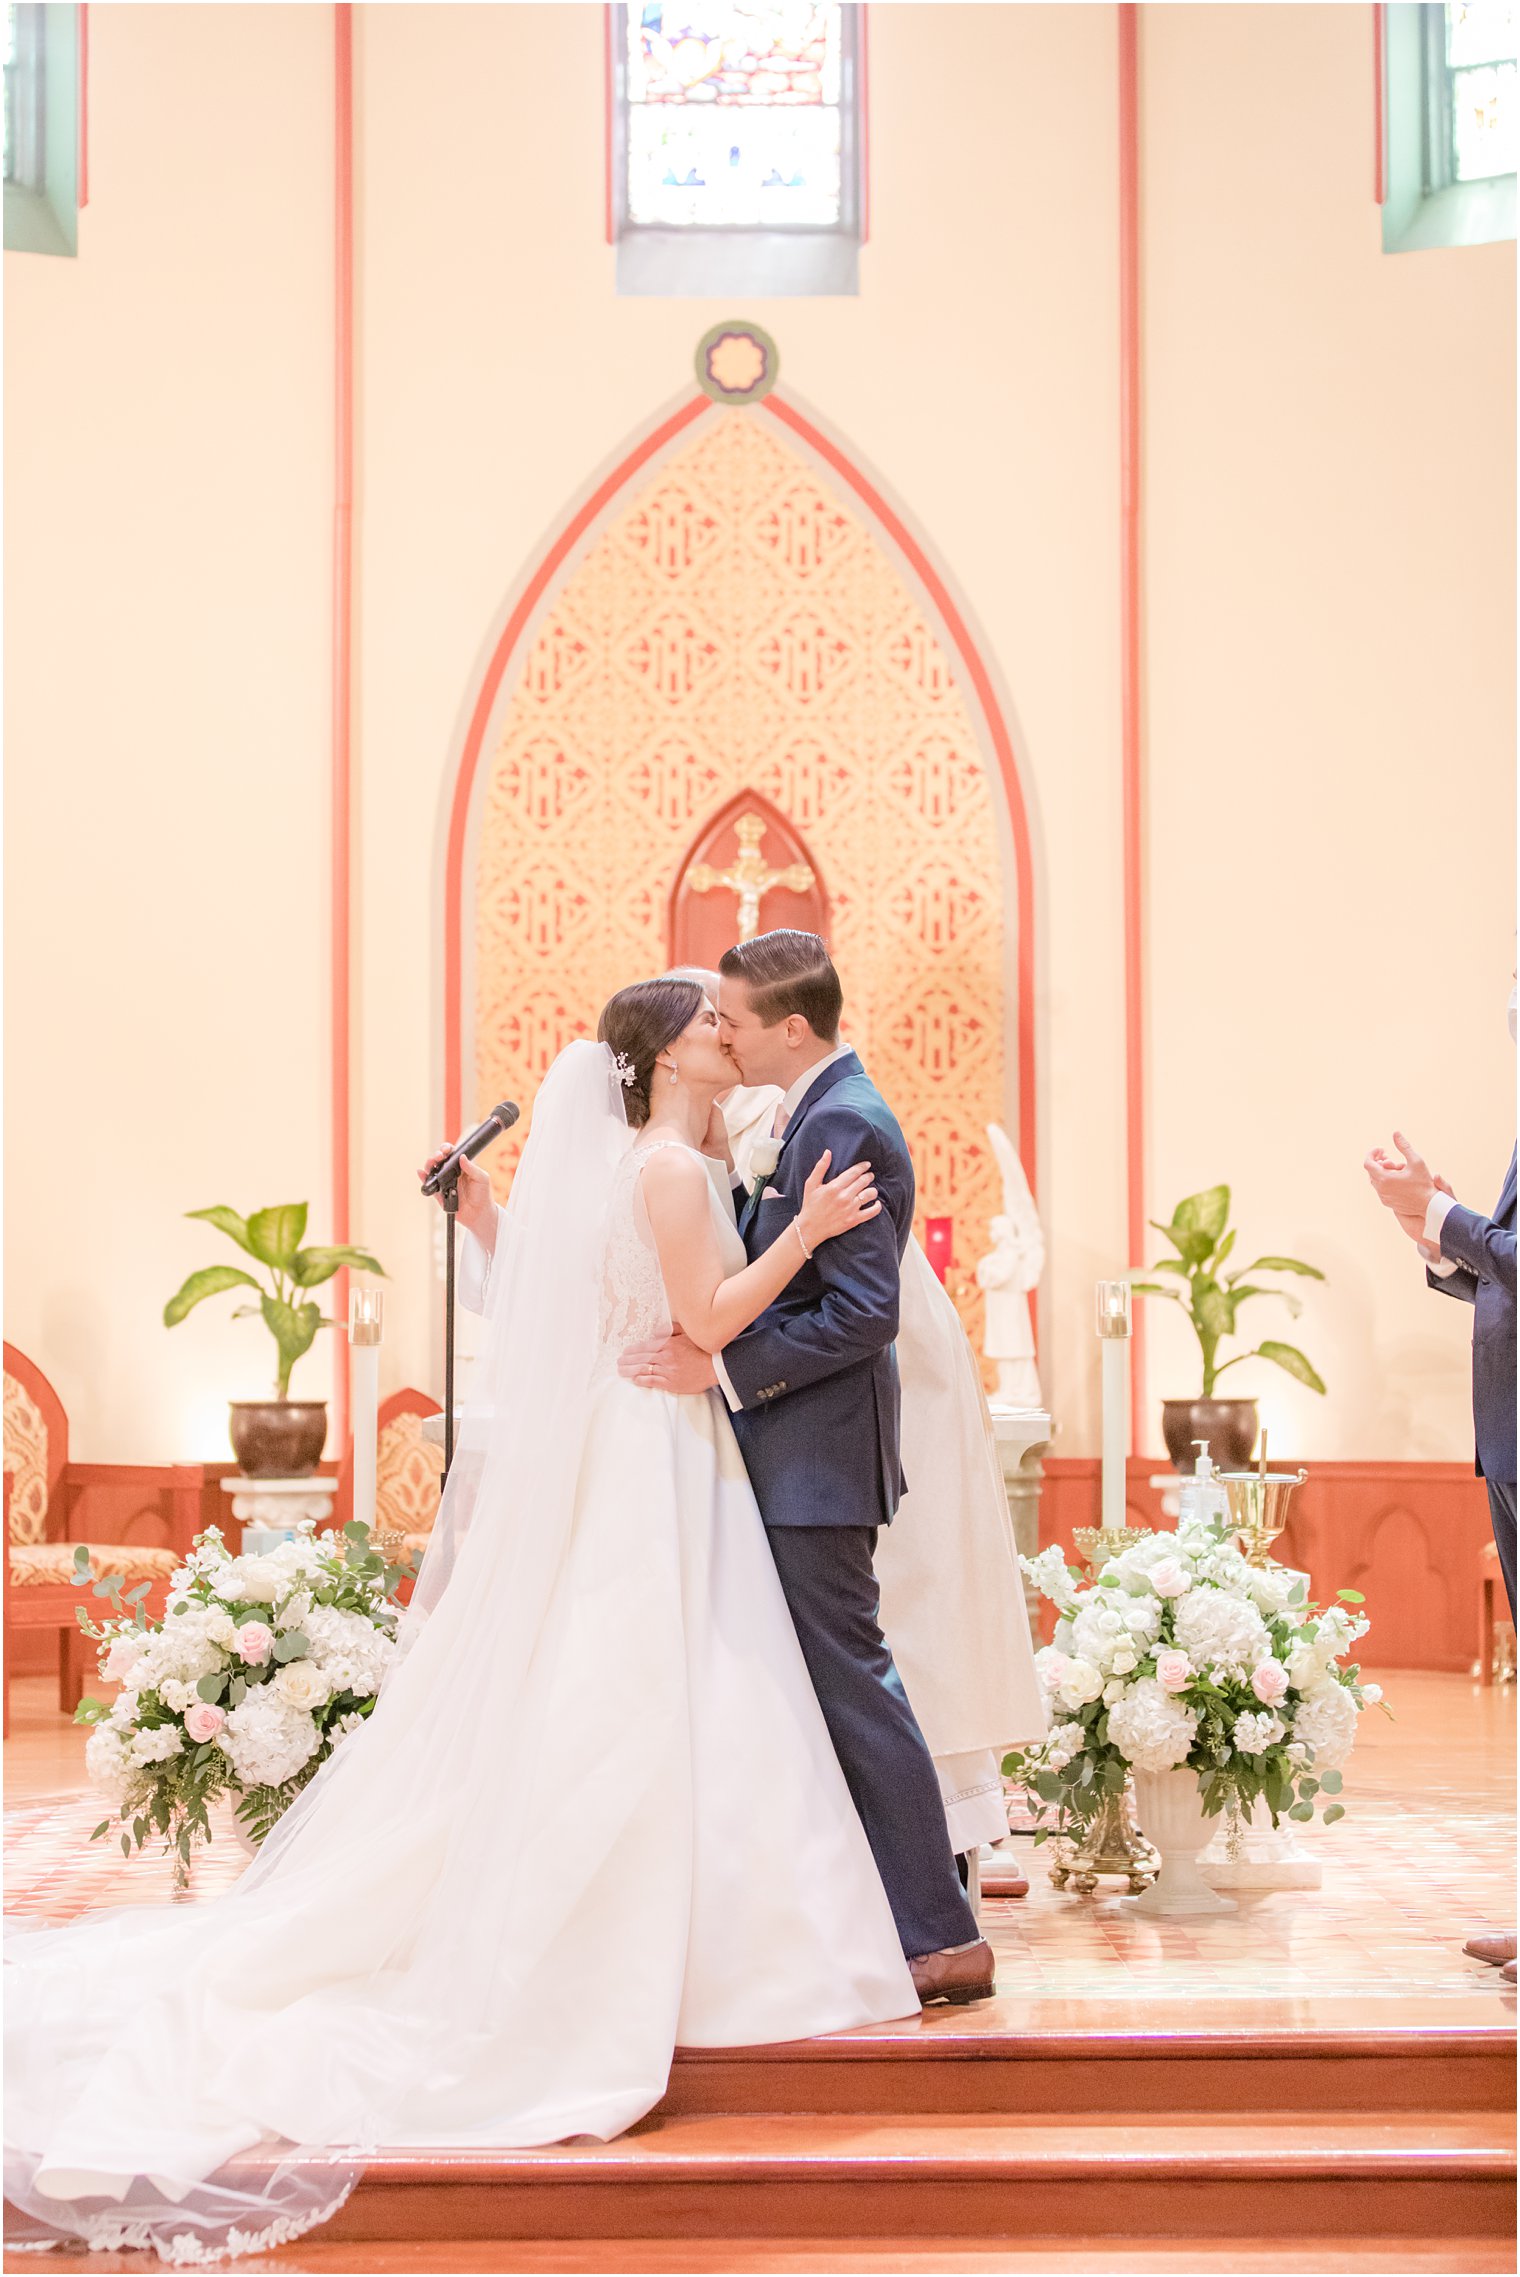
[595, 1814]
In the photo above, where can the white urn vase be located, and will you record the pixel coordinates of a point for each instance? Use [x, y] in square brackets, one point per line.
[1171, 1815]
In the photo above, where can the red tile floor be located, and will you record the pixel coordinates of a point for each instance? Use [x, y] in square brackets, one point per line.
[1424, 1857]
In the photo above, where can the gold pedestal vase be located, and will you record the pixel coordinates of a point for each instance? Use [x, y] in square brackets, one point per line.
[1111, 1843]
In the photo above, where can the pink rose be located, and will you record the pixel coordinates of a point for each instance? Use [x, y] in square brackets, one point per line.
[1170, 1578]
[1269, 1681]
[254, 1642]
[1174, 1671]
[203, 1721]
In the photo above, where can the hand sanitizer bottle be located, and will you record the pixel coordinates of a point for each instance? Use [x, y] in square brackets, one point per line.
[1200, 1497]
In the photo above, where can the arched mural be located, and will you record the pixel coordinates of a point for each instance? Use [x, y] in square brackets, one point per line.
[739, 626]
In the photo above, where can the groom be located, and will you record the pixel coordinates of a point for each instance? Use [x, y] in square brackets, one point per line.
[813, 1389]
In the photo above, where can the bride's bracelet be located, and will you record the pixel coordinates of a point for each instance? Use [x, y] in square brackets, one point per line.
[797, 1230]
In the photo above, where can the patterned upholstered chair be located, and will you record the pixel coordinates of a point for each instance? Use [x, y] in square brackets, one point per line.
[408, 1477]
[40, 1589]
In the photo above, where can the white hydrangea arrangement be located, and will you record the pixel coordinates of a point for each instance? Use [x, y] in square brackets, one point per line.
[1180, 1652]
[259, 1668]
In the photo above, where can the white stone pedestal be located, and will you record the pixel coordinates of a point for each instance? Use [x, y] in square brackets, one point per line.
[270, 1509]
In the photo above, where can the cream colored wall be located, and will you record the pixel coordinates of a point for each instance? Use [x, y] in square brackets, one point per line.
[1331, 614]
[974, 375]
[167, 478]
[168, 652]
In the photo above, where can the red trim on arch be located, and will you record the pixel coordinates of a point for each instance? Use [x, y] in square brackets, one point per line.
[1002, 744]
[1130, 605]
[957, 631]
[480, 720]
[341, 1012]
[82, 172]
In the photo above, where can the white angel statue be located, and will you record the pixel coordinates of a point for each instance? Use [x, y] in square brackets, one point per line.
[1008, 1273]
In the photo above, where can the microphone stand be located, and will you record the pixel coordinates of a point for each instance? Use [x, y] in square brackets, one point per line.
[448, 1195]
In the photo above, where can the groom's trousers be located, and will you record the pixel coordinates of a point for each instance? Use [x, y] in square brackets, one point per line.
[831, 1589]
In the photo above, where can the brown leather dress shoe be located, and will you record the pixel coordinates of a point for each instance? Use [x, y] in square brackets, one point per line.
[1495, 1949]
[964, 1973]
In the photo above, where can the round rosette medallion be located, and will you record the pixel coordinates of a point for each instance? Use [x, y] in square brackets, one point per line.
[737, 363]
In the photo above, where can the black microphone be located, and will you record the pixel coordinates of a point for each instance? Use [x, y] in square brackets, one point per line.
[501, 1118]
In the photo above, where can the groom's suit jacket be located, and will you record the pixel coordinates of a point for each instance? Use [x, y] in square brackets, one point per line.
[1484, 1251]
[816, 1374]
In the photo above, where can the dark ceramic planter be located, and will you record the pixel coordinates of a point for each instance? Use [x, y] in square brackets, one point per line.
[1229, 1425]
[278, 1438]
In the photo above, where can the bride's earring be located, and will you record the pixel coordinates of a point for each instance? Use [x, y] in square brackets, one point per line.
[674, 1075]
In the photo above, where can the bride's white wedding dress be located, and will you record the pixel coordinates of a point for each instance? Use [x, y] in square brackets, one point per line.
[595, 1815]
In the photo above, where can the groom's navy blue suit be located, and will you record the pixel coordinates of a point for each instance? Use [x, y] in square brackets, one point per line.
[816, 1376]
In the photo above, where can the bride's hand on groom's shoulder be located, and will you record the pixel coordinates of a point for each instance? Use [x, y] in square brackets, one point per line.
[477, 1206]
[832, 1206]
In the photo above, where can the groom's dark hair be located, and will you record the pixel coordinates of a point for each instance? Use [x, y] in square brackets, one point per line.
[787, 972]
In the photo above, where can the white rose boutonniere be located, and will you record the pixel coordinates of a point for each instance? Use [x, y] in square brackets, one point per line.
[763, 1158]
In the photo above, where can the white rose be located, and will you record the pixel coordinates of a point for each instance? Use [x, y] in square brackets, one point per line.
[222, 1629]
[260, 1581]
[1124, 1661]
[1081, 1683]
[1114, 1690]
[763, 1158]
[302, 1684]
[176, 1695]
[1305, 1666]
[1170, 1578]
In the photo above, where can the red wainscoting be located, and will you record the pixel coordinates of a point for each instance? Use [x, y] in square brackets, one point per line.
[1408, 1535]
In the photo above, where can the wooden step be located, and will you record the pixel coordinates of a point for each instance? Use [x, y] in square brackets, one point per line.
[1138, 2069]
[1348, 2174]
[316, 2255]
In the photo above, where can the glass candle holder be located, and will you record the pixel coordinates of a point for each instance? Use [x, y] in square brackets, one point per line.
[1113, 1309]
[366, 1315]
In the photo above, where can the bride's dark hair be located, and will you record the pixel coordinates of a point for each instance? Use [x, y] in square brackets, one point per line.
[639, 1022]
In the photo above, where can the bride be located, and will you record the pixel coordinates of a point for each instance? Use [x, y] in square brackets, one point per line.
[595, 1815]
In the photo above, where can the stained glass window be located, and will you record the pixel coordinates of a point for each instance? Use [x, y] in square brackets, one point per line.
[1480, 89]
[736, 116]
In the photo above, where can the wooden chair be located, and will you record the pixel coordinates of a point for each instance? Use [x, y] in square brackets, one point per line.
[41, 1591]
[408, 1477]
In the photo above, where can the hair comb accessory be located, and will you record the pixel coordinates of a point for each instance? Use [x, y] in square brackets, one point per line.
[623, 1069]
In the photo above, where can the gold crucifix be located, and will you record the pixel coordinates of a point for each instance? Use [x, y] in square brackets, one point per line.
[749, 878]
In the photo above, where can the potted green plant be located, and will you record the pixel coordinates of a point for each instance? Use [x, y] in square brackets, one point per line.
[1211, 1299]
[278, 1437]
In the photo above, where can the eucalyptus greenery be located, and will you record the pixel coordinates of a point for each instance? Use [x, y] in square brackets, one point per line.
[170, 1794]
[1211, 1297]
[273, 1238]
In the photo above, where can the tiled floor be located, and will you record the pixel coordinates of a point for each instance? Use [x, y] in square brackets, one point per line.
[1424, 1858]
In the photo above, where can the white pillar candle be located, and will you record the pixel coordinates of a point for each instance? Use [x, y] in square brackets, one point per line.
[365, 1315]
[1113, 1333]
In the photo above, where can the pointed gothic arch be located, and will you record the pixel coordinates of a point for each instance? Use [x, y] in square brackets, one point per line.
[933, 655]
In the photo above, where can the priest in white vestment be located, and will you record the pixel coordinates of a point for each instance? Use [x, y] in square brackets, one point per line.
[952, 1602]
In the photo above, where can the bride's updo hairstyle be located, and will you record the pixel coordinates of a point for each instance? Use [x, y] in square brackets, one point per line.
[638, 1023]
